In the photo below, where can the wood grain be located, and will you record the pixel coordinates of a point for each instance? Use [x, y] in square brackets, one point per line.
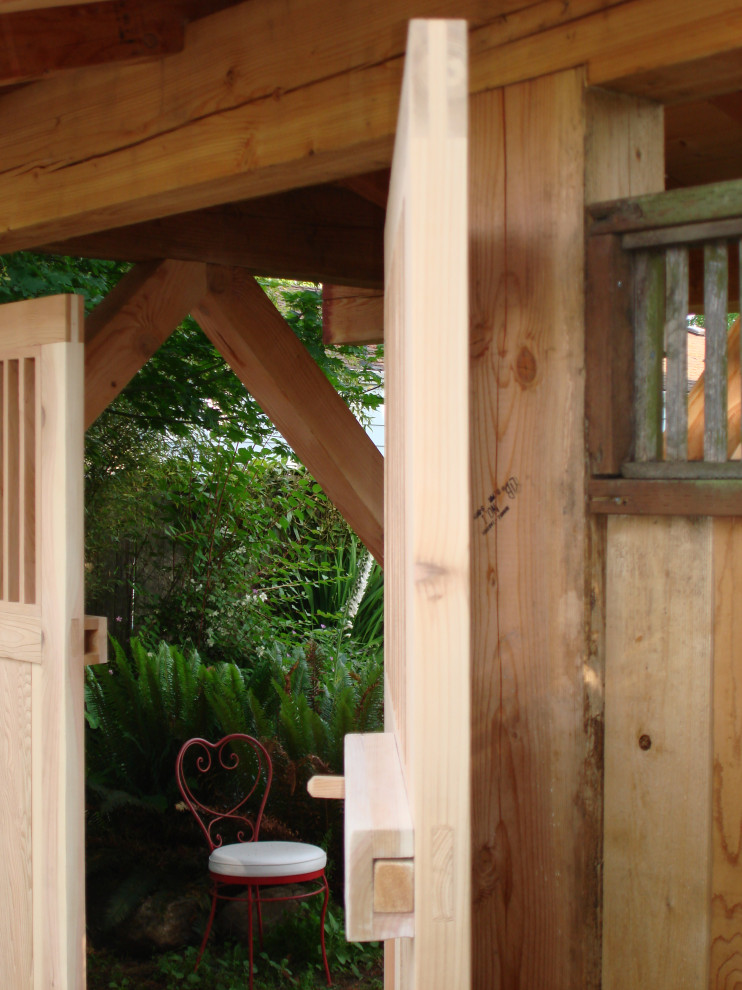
[676, 349]
[352, 315]
[318, 234]
[657, 753]
[378, 826]
[57, 683]
[262, 350]
[649, 325]
[132, 322]
[621, 496]
[427, 502]
[726, 836]
[715, 368]
[536, 847]
[141, 143]
[16, 878]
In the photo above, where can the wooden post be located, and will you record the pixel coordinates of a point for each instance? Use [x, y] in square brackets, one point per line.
[535, 753]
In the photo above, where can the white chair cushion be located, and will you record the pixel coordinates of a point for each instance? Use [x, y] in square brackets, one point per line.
[267, 859]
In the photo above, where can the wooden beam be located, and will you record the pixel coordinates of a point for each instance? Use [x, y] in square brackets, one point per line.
[132, 322]
[12, 6]
[697, 204]
[38, 43]
[317, 234]
[352, 315]
[626, 497]
[256, 341]
[223, 121]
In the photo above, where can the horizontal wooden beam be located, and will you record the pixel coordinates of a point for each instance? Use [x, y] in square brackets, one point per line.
[628, 496]
[132, 322]
[11, 6]
[674, 208]
[318, 234]
[352, 315]
[326, 787]
[39, 43]
[255, 340]
[243, 112]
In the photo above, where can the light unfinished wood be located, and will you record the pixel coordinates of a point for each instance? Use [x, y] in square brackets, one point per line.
[676, 350]
[326, 787]
[318, 234]
[95, 648]
[57, 683]
[141, 146]
[132, 322]
[378, 826]
[715, 368]
[255, 340]
[20, 632]
[696, 402]
[426, 604]
[32, 322]
[352, 315]
[394, 886]
[726, 867]
[16, 879]
[657, 753]
[622, 156]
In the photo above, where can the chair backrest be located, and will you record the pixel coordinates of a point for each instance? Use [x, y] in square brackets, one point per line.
[225, 784]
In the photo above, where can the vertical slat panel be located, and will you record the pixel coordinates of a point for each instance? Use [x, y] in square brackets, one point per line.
[726, 879]
[12, 475]
[715, 391]
[676, 349]
[649, 322]
[28, 507]
[658, 771]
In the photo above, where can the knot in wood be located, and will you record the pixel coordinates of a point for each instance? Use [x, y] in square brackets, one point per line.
[645, 742]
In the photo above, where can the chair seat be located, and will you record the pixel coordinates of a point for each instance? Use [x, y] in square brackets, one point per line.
[267, 859]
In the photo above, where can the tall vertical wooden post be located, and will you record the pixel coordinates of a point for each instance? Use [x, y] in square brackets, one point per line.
[42, 869]
[534, 751]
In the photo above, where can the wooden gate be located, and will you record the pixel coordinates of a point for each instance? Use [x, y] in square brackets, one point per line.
[407, 793]
[42, 875]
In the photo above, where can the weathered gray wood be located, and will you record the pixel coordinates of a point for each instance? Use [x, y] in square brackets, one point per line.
[676, 349]
[696, 204]
[687, 233]
[715, 387]
[609, 354]
[661, 497]
[649, 307]
[683, 469]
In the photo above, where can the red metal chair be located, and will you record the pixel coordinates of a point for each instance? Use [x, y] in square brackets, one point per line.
[225, 784]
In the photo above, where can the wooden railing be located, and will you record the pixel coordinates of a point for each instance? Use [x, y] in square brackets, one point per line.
[651, 261]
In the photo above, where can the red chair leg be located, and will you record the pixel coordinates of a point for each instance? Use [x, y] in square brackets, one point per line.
[207, 932]
[322, 931]
[249, 927]
[260, 914]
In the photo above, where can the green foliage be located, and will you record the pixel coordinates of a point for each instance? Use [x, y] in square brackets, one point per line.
[289, 957]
